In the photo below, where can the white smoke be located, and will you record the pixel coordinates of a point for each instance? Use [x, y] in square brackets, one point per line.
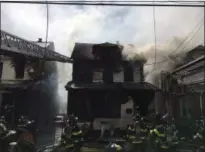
[168, 55]
[130, 52]
[70, 24]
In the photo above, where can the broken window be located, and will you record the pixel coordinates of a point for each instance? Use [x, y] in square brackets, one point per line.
[19, 66]
[118, 76]
[128, 73]
[108, 75]
[98, 76]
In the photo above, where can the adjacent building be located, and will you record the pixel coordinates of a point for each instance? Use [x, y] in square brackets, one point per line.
[30, 84]
[186, 84]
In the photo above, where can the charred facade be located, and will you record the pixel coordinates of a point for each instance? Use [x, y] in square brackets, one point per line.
[102, 81]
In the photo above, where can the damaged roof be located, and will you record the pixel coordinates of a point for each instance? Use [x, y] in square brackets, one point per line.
[82, 51]
[85, 50]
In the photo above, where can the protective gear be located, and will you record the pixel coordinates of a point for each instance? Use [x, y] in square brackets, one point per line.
[3, 129]
[134, 137]
[13, 147]
[72, 120]
[26, 146]
[66, 140]
[158, 131]
[113, 147]
[72, 134]
[143, 129]
[137, 116]
[158, 139]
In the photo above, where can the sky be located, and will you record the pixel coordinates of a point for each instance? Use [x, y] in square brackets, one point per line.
[98, 24]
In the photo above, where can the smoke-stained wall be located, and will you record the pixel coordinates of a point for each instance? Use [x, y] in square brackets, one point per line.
[40, 101]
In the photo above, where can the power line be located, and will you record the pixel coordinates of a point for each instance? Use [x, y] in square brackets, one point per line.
[180, 2]
[155, 37]
[156, 62]
[47, 24]
[96, 3]
[196, 27]
[192, 36]
[182, 42]
[117, 1]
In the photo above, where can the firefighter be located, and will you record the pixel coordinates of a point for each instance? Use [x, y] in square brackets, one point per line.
[158, 119]
[26, 129]
[172, 137]
[135, 141]
[26, 140]
[199, 137]
[137, 116]
[175, 132]
[72, 134]
[25, 146]
[113, 147]
[77, 133]
[143, 129]
[3, 133]
[157, 139]
[3, 126]
[13, 147]
[66, 136]
[200, 132]
[66, 140]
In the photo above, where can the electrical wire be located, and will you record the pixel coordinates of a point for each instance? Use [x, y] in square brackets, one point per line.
[155, 37]
[156, 62]
[106, 4]
[97, 3]
[192, 37]
[117, 1]
[182, 2]
[47, 24]
[182, 42]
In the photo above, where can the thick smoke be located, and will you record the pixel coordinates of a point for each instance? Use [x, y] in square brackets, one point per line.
[70, 24]
[39, 101]
[168, 56]
[130, 52]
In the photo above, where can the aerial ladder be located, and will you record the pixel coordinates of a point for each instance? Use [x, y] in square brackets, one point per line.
[11, 44]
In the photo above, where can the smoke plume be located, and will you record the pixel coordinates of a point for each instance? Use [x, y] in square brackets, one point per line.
[168, 56]
[70, 24]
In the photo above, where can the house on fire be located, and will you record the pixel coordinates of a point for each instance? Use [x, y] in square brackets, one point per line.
[102, 81]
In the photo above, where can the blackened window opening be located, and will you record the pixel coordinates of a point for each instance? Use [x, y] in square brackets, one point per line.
[19, 66]
[128, 73]
[82, 72]
[108, 75]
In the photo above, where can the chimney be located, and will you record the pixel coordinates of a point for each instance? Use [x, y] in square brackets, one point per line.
[39, 39]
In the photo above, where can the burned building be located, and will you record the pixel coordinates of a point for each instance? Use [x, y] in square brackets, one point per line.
[102, 81]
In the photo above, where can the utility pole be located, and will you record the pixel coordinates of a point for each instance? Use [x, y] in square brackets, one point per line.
[203, 96]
